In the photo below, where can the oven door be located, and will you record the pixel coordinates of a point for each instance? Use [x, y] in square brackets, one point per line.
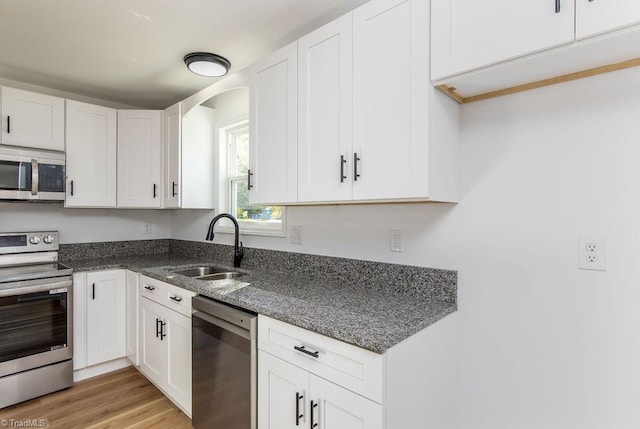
[35, 323]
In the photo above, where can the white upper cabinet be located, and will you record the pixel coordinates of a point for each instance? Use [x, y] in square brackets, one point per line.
[198, 159]
[404, 135]
[91, 155]
[469, 34]
[598, 16]
[325, 94]
[369, 128]
[32, 120]
[189, 156]
[171, 147]
[139, 158]
[274, 127]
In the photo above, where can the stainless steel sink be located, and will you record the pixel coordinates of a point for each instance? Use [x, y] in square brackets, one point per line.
[220, 276]
[200, 271]
[208, 273]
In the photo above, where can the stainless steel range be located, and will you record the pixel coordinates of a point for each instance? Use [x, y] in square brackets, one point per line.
[35, 317]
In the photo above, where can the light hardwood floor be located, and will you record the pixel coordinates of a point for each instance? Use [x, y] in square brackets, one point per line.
[122, 399]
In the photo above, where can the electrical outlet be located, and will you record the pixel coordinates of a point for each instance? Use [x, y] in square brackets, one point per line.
[395, 240]
[592, 254]
[295, 234]
[147, 228]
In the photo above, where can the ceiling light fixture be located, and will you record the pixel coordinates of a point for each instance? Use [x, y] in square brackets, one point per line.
[207, 64]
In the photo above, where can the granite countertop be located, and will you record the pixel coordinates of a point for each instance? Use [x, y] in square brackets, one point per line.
[372, 318]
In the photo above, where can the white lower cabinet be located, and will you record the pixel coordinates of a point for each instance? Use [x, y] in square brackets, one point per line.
[289, 397]
[309, 380]
[99, 317]
[165, 340]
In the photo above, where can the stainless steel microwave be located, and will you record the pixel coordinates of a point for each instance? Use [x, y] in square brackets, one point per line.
[31, 174]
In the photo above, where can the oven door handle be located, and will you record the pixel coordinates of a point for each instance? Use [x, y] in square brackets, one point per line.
[33, 286]
[222, 324]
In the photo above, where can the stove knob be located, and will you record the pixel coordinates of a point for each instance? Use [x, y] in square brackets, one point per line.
[48, 239]
[34, 240]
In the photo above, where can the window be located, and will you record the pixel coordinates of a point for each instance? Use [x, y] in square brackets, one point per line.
[253, 219]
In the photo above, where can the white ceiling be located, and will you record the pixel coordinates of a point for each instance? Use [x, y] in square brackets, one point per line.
[131, 51]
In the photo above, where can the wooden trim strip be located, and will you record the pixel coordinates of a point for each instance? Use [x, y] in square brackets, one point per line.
[451, 92]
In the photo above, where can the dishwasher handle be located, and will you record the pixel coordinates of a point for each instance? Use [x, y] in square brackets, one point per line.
[222, 324]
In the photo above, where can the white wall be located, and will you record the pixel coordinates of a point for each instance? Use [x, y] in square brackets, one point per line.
[542, 344]
[84, 225]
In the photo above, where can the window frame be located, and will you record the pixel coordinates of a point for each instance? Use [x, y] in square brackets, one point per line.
[226, 153]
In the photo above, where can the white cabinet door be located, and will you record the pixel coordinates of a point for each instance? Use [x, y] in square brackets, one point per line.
[290, 397]
[325, 93]
[283, 401]
[178, 342]
[468, 34]
[598, 16]
[153, 350]
[165, 344]
[106, 316]
[274, 127]
[391, 102]
[335, 407]
[198, 157]
[91, 155]
[32, 120]
[172, 134]
[139, 158]
[133, 304]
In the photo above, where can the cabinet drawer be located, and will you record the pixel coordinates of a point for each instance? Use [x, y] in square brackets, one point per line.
[170, 296]
[356, 369]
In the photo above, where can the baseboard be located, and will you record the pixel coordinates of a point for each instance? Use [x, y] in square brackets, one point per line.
[101, 368]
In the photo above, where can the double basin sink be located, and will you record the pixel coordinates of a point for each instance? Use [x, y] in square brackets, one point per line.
[208, 273]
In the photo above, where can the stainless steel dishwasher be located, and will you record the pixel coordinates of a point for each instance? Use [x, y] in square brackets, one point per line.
[224, 366]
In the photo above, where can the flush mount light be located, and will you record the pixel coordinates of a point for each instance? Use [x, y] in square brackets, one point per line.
[207, 64]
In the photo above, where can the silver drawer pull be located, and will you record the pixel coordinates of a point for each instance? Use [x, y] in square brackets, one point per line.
[150, 288]
[304, 350]
[176, 298]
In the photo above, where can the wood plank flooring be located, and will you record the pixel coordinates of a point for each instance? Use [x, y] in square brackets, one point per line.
[122, 399]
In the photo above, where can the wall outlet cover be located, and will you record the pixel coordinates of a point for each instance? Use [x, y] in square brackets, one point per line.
[295, 234]
[395, 240]
[592, 253]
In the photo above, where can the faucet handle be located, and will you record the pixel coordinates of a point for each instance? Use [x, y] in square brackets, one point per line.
[238, 255]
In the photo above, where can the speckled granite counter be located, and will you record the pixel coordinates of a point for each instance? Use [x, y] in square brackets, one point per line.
[375, 308]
